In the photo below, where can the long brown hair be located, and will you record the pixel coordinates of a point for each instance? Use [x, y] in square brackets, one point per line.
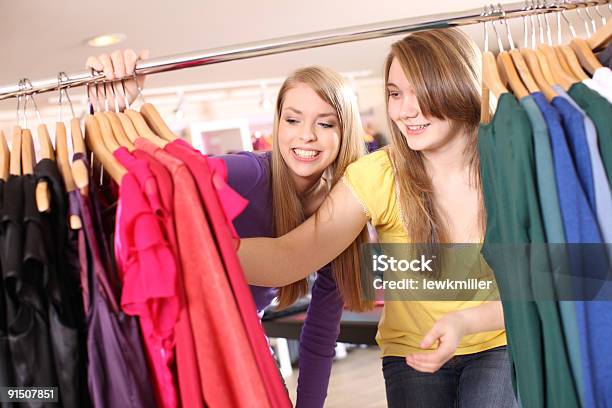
[444, 69]
[287, 207]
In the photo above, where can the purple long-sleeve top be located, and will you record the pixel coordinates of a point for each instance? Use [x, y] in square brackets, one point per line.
[250, 175]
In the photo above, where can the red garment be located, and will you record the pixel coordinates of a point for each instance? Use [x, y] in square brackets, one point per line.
[191, 394]
[147, 268]
[229, 377]
[211, 180]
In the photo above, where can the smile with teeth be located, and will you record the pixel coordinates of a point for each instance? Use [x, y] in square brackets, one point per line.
[417, 127]
[306, 154]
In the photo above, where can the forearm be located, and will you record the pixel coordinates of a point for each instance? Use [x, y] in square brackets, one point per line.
[318, 341]
[486, 317]
[269, 262]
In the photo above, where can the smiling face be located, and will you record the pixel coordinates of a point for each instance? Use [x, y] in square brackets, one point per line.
[422, 132]
[308, 134]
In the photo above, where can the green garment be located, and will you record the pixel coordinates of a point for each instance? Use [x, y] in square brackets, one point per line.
[535, 337]
[553, 225]
[600, 111]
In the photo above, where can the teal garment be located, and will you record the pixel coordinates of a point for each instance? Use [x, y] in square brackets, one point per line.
[553, 226]
[535, 337]
[545, 171]
[600, 111]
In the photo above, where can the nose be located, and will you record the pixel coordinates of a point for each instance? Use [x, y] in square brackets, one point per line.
[308, 134]
[410, 107]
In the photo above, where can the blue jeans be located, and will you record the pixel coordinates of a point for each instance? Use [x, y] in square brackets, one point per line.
[479, 380]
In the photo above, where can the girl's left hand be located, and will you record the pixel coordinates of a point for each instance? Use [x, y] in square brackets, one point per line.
[448, 331]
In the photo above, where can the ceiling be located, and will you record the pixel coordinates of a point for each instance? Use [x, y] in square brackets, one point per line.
[39, 38]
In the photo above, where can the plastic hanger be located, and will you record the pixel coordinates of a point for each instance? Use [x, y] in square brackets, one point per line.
[583, 51]
[491, 81]
[507, 69]
[5, 157]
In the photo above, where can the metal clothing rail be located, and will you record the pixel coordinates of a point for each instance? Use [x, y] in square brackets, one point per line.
[300, 42]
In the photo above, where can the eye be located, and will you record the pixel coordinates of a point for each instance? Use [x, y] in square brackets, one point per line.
[326, 125]
[393, 94]
[291, 121]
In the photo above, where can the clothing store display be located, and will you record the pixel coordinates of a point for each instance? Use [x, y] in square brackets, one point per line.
[120, 280]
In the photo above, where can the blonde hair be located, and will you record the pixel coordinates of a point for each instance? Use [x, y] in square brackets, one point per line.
[287, 207]
[443, 67]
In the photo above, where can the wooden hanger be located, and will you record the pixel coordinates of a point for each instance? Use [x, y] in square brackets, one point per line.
[28, 159]
[509, 75]
[563, 61]
[46, 147]
[492, 82]
[63, 161]
[95, 141]
[533, 62]
[107, 132]
[27, 152]
[43, 195]
[118, 131]
[156, 122]
[80, 172]
[5, 157]
[560, 77]
[78, 145]
[601, 37]
[585, 55]
[573, 63]
[143, 129]
[63, 164]
[128, 127]
[523, 70]
[15, 162]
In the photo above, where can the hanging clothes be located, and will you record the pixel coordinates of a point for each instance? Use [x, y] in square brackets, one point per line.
[117, 371]
[600, 111]
[210, 176]
[186, 360]
[66, 314]
[514, 218]
[217, 360]
[250, 175]
[147, 269]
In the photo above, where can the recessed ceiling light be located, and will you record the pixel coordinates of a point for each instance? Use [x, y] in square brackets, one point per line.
[107, 39]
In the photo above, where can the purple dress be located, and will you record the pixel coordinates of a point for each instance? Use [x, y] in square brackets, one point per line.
[250, 175]
[118, 374]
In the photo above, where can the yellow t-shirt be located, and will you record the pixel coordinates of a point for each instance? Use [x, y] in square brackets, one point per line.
[404, 323]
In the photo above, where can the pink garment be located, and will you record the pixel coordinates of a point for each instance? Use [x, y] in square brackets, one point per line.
[191, 394]
[211, 175]
[228, 371]
[147, 268]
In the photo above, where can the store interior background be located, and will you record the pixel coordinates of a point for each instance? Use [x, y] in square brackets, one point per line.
[225, 106]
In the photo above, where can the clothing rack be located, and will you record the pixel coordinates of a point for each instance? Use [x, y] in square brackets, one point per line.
[300, 42]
